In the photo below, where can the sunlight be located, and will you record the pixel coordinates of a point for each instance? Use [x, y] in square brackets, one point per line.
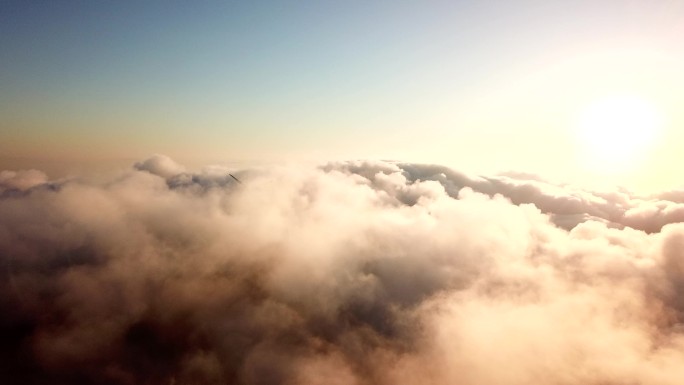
[616, 132]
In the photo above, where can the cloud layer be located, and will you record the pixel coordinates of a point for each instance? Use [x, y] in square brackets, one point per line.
[349, 273]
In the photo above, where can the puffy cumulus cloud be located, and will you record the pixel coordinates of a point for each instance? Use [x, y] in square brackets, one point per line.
[18, 181]
[349, 273]
[160, 165]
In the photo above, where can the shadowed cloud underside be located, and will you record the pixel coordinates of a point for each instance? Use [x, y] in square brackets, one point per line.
[346, 273]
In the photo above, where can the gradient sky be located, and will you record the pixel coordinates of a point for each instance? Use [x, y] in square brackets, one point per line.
[483, 86]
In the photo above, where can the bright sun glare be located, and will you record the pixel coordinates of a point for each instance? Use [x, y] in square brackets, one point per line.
[617, 131]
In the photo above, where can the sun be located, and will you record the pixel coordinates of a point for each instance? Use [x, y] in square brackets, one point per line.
[617, 131]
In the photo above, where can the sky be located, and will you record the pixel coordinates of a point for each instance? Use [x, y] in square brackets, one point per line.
[485, 86]
[348, 193]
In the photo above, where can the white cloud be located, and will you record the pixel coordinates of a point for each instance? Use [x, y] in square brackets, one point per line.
[21, 180]
[359, 272]
[160, 165]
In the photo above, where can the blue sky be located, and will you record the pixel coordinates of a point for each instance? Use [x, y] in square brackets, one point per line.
[420, 81]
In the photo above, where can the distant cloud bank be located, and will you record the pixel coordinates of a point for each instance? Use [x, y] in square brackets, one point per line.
[347, 273]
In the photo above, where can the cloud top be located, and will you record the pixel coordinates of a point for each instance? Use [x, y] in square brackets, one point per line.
[21, 180]
[160, 165]
[348, 273]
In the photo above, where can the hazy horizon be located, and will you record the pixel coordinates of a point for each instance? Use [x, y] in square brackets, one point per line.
[483, 86]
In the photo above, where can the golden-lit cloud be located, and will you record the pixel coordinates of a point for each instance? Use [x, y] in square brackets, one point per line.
[350, 273]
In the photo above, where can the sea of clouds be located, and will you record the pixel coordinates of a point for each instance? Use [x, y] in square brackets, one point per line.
[360, 272]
